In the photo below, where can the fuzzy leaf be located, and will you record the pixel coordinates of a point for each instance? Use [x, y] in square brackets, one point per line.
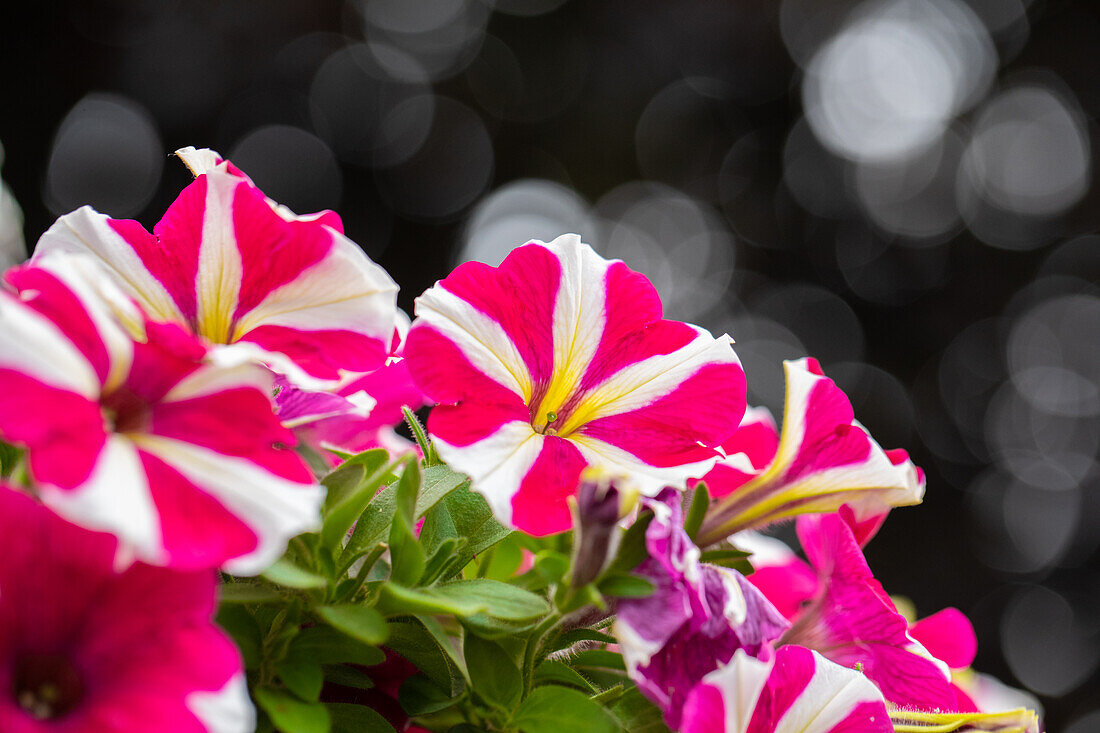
[291, 715]
[552, 709]
[289, 575]
[359, 622]
[493, 673]
[349, 718]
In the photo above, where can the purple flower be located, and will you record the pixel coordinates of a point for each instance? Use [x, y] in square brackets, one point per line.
[694, 622]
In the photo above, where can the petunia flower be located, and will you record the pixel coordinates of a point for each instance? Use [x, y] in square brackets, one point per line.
[181, 457]
[798, 691]
[822, 459]
[559, 359]
[360, 414]
[699, 616]
[235, 268]
[852, 621]
[86, 648]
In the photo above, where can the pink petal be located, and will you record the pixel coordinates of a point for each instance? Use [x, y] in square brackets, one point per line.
[540, 506]
[64, 432]
[949, 636]
[521, 300]
[668, 432]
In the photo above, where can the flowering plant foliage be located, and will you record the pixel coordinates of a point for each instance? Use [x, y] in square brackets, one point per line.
[198, 424]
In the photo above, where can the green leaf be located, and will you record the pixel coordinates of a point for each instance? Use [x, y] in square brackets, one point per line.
[326, 645]
[729, 558]
[374, 523]
[415, 643]
[247, 593]
[344, 481]
[406, 554]
[351, 487]
[632, 548]
[700, 500]
[444, 560]
[552, 565]
[360, 622]
[552, 709]
[302, 678]
[504, 560]
[637, 714]
[493, 673]
[558, 673]
[394, 600]
[626, 585]
[569, 638]
[447, 644]
[420, 696]
[347, 676]
[349, 718]
[464, 513]
[9, 458]
[291, 715]
[501, 600]
[289, 575]
[242, 626]
[598, 658]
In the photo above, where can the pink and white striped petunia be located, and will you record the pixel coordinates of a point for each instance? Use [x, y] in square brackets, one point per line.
[85, 648]
[798, 691]
[559, 359]
[852, 620]
[235, 268]
[821, 460]
[361, 414]
[180, 457]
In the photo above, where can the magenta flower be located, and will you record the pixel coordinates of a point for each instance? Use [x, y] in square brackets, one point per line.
[699, 616]
[180, 457]
[852, 620]
[559, 359]
[235, 268]
[359, 415]
[840, 610]
[85, 648]
[798, 691]
[822, 459]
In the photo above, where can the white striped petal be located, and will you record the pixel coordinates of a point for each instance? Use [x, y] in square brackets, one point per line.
[504, 458]
[218, 281]
[228, 710]
[115, 499]
[490, 350]
[275, 508]
[34, 346]
[86, 231]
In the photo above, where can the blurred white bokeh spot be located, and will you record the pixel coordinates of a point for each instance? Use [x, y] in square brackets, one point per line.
[107, 153]
[1029, 153]
[516, 213]
[1047, 644]
[887, 85]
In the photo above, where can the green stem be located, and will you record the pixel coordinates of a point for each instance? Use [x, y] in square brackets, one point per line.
[533, 649]
[364, 571]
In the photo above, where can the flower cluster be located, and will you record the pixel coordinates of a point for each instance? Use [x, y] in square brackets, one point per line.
[221, 396]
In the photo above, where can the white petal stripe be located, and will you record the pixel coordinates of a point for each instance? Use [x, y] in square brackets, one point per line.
[344, 290]
[86, 231]
[497, 464]
[643, 383]
[116, 499]
[275, 508]
[218, 282]
[33, 345]
[490, 350]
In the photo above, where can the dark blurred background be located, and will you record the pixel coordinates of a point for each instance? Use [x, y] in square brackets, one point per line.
[902, 188]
